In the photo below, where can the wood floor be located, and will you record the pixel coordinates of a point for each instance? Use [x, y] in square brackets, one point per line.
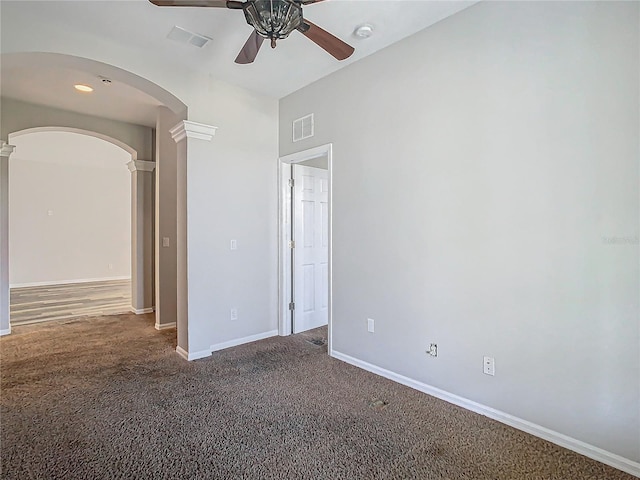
[56, 302]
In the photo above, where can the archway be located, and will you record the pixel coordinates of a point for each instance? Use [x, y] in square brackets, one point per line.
[118, 143]
[141, 216]
[173, 111]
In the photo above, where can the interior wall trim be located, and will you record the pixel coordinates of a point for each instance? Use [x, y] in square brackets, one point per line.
[165, 326]
[192, 356]
[241, 341]
[141, 311]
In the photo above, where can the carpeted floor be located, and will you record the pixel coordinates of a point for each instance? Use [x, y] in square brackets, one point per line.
[110, 399]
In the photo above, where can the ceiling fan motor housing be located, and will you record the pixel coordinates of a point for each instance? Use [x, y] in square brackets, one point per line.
[273, 19]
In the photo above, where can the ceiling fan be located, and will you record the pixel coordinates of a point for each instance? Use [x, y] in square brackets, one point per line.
[273, 20]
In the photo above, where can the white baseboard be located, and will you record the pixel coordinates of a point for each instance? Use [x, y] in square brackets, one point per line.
[140, 311]
[67, 282]
[165, 326]
[192, 356]
[596, 453]
[182, 352]
[240, 341]
[220, 346]
[5, 332]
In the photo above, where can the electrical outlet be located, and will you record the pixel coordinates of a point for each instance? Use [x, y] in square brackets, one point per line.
[371, 325]
[234, 314]
[489, 364]
[433, 350]
[165, 242]
[110, 266]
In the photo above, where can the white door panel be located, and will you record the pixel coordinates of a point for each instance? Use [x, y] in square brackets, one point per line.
[311, 236]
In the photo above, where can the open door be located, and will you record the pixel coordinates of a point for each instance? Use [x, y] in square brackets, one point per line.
[310, 218]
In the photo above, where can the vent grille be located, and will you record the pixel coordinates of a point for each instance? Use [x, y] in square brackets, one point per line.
[303, 128]
[181, 35]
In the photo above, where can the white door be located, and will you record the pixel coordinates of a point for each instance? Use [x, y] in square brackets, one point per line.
[311, 237]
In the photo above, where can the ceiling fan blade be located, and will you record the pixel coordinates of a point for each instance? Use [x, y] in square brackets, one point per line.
[197, 3]
[325, 40]
[250, 50]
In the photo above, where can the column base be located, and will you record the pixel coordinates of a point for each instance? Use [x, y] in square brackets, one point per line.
[165, 326]
[140, 311]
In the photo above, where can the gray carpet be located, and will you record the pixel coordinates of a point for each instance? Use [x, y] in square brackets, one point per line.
[110, 399]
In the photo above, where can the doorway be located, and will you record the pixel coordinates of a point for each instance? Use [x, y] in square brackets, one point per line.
[305, 241]
[147, 98]
[70, 239]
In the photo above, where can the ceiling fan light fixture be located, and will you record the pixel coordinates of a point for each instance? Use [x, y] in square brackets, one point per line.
[273, 19]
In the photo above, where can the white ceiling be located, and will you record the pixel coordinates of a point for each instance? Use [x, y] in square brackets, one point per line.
[53, 86]
[139, 25]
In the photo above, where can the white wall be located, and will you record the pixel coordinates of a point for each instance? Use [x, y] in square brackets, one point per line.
[232, 194]
[69, 209]
[319, 162]
[479, 168]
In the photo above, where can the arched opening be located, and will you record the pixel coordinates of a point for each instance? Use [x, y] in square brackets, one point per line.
[118, 143]
[70, 225]
[154, 254]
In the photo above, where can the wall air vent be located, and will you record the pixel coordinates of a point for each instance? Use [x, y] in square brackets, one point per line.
[181, 35]
[303, 128]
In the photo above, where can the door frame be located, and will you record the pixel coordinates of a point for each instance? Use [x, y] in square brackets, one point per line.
[284, 235]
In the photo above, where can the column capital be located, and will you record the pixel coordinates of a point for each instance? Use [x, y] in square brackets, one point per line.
[142, 165]
[187, 129]
[6, 149]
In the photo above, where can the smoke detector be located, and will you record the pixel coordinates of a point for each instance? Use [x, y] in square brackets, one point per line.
[363, 31]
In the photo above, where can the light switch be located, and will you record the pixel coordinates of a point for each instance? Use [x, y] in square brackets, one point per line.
[165, 241]
[234, 244]
[371, 325]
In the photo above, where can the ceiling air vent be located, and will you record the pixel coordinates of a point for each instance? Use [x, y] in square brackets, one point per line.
[181, 35]
[303, 128]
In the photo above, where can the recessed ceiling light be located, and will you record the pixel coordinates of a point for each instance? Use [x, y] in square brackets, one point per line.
[363, 31]
[83, 88]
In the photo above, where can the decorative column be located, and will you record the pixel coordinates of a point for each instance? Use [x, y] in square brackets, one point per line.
[190, 138]
[5, 152]
[142, 215]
